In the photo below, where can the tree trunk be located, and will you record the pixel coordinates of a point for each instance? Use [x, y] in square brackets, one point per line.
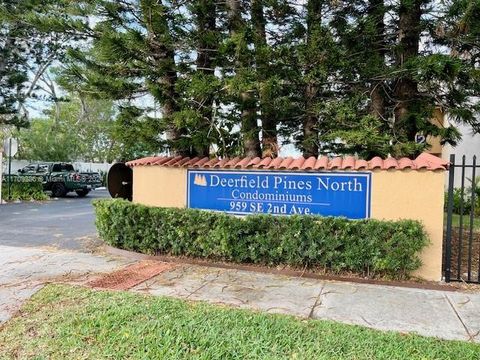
[205, 18]
[267, 112]
[376, 11]
[310, 122]
[406, 89]
[250, 132]
[162, 53]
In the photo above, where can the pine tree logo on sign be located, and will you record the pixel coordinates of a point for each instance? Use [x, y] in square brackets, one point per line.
[200, 180]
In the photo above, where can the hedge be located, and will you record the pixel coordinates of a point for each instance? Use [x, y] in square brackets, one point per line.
[23, 188]
[365, 247]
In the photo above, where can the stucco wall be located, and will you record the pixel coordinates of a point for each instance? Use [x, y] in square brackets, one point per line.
[407, 194]
[416, 195]
[160, 186]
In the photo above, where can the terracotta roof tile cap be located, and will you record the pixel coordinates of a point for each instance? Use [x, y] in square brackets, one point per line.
[243, 163]
[275, 163]
[231, 163]
[297, 163]
[191, 161]
[405, 162]
[211, 163]
[145, 160]
[156, 160]
[309, 163]
[263, 163]
[201, 162]
[375, 163]
[221, 163]
[254, 162]
[172, 161]
[182, 162]
[431, 162]
[361, 164]
[348, 163]
[321, 163]
[335, 163]
[285, 163]
[423, 161]
[390, 163]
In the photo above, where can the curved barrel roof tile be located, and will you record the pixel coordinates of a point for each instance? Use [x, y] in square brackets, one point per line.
[348, 163]
[321, 163]
[263, 163]
[309, 163]
[390, 163]
[361, 164]
[424, 161]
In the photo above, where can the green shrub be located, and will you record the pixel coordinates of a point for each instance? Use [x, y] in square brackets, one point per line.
[23, 188]
[460, 204]
[367, 247]
[463, 205]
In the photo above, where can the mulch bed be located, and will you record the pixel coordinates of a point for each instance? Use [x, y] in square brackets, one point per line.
[463, 252]
[130, 276]
[312, 274]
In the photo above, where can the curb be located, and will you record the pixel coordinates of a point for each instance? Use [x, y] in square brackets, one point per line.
[268, 270]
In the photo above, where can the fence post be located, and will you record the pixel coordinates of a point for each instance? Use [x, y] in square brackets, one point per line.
[472, 215]
[9, 169]
[448, 240]
[1, 175]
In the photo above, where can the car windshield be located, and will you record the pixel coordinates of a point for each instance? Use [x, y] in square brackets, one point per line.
[29, 168]
[62, 167]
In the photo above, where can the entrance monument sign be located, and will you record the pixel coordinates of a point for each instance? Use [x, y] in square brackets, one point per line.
[281, 193]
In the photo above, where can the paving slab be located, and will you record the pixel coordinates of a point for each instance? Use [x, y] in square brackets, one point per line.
[11, 298]
[266, 292]
[447, 315]
[426, 312]
[467, 307]
[436, 313]
[24, 270]
[245, 289]
[179, 282]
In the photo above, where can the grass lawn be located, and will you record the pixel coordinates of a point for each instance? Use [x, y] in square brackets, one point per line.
[466, 222]
[65, 322]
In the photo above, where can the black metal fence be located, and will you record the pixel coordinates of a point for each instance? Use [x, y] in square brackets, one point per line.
[462, 234]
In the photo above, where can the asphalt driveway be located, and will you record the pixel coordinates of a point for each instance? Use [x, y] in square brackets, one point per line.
[66, 223]
[43, 242]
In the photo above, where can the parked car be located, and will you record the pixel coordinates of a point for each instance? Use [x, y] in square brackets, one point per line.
[61, 178]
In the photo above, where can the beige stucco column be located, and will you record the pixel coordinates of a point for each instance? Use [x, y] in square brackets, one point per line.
[160, 186]
[417, 195]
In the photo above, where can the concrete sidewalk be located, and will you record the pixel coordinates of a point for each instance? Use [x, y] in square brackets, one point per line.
[25, 270]
[442, 314]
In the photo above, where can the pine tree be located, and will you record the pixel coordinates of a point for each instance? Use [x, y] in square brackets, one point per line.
[262, 57]
[132, 55]
[390, 85]
[13, 70]
[458, 29]
[243, 77]
[33, 35]
[206, 41]
[336, 77]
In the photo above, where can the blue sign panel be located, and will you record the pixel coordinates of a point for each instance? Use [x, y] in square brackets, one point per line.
[281, 193]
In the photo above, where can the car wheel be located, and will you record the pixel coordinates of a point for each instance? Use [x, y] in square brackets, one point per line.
[59, 190]
[82, 193]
